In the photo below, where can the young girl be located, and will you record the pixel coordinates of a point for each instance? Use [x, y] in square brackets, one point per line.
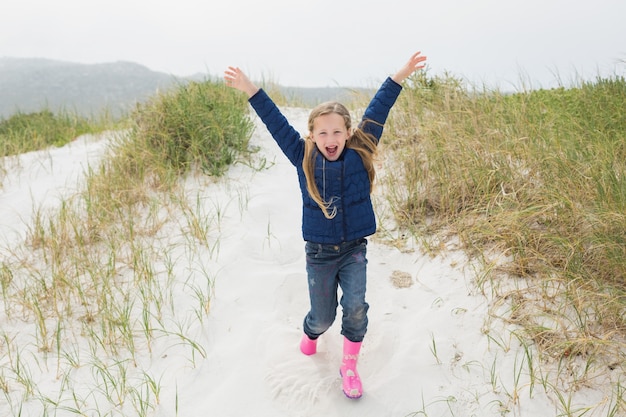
[336, 172]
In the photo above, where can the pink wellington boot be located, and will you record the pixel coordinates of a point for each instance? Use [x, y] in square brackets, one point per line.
[351, 381]
[308, 346]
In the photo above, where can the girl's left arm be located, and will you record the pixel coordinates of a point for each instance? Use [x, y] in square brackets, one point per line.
[377, 112]
[416, 62]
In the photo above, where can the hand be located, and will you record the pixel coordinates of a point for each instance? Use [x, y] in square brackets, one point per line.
[415, 63]
[236, 79]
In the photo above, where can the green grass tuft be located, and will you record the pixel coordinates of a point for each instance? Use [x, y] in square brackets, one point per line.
[25, 132]
[199, 125]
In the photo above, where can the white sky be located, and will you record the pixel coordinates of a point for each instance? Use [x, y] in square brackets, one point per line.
[503, 43]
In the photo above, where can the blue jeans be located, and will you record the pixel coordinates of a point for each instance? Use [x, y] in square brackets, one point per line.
[329, 267]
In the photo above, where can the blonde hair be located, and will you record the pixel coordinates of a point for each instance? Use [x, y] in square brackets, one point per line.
[363, 143]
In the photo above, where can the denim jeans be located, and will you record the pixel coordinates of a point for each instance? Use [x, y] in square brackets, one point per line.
[329, 267]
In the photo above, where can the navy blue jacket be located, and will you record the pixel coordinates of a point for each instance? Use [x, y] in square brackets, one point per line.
[344, 182]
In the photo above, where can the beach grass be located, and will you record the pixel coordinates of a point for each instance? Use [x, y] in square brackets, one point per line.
[98, 270]
[533, 184]
[25, 132]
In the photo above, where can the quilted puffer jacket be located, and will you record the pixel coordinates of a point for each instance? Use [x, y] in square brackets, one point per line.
[344, 182]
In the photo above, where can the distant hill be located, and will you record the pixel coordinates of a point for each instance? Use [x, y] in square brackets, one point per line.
[32, 84]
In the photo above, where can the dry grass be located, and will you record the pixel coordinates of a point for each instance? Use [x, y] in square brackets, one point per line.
[534, 184]
[92, 284]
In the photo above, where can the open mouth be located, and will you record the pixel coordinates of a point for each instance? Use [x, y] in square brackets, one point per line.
[331, 151]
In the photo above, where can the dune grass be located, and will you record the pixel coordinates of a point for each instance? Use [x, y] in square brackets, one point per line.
[92, 287]
[25, 132]
[533, 183]
[198, 125]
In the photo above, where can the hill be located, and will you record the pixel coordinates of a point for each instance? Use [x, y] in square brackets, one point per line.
[31, 84]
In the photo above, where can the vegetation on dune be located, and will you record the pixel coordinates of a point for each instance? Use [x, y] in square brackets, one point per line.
[104, 261]
[542, 172]
[25, 132]
[534, 184]
[199, 125]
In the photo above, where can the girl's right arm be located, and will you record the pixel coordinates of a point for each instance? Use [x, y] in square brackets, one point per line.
[236, 79]
[288, 139]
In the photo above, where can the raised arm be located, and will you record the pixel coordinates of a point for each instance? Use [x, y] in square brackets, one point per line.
[236, 79]
[377, 112]
[287, 137]
[415, 63]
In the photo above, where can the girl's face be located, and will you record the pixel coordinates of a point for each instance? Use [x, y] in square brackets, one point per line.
[330, 135]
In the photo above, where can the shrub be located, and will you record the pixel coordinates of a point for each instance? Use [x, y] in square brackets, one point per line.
[199, 124]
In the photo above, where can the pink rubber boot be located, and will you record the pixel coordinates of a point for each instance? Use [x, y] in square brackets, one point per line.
[351, 381]
[308, 346]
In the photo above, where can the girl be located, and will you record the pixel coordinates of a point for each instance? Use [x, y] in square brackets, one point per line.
[336, 172]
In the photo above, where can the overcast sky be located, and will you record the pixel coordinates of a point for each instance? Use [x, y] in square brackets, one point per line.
[498, 43]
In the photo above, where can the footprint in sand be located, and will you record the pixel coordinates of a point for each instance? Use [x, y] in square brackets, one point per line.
[299, 384]
[401, 279]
